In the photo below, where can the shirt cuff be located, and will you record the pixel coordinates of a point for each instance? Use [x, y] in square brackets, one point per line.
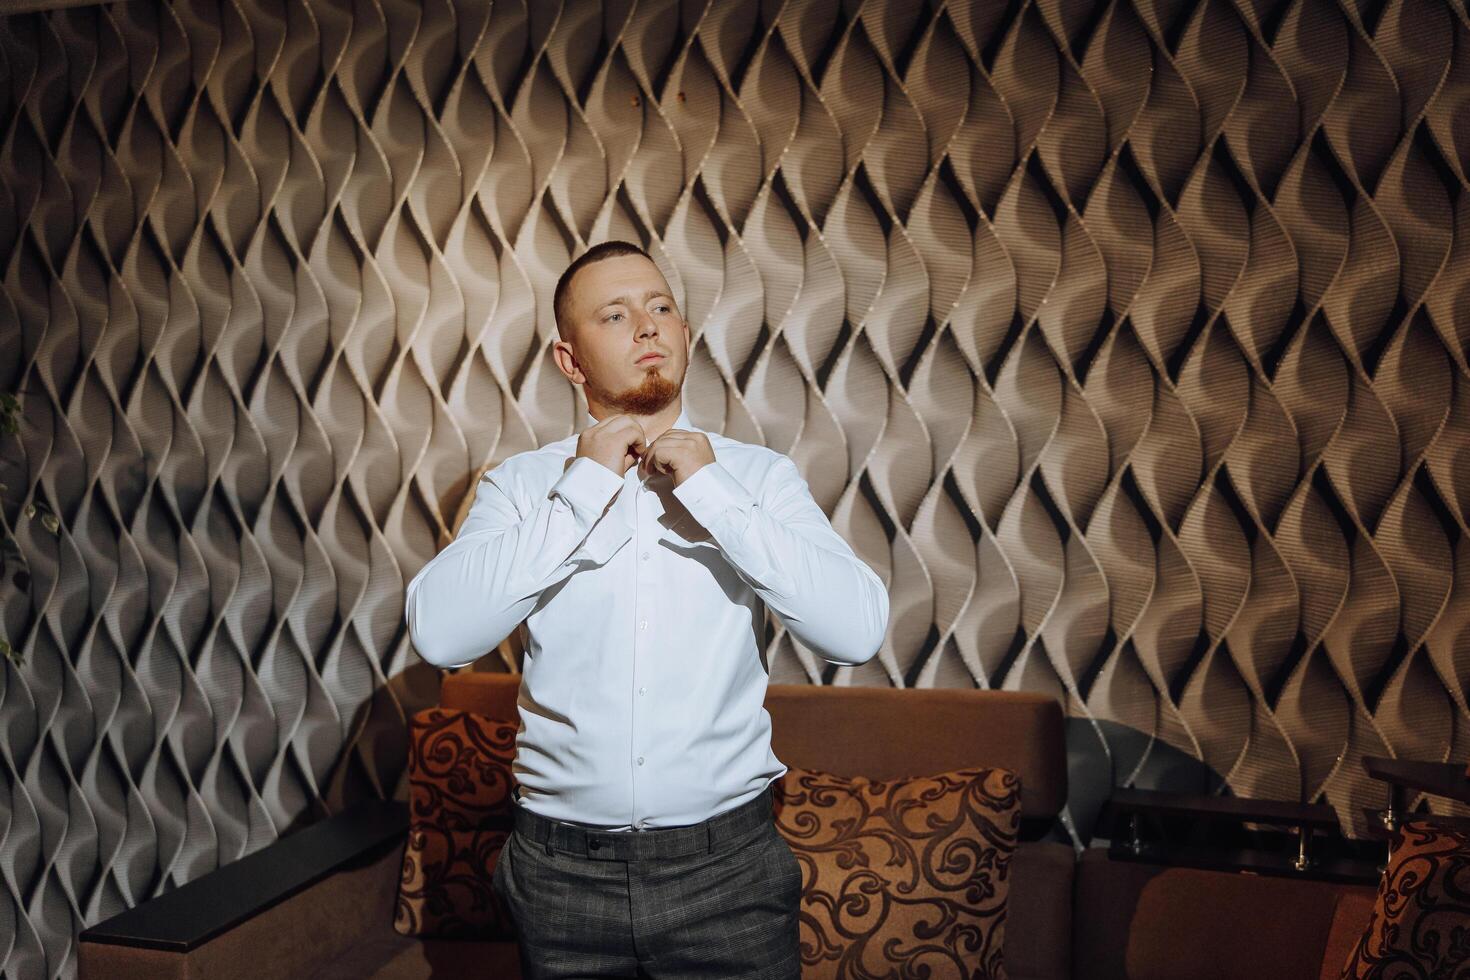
[716, 500]
[587, 486]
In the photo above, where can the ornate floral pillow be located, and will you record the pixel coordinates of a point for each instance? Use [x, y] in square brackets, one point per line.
[459, 815]
[1421, 919]
[901, 877]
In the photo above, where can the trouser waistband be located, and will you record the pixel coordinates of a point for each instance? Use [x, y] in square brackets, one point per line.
[641, 845]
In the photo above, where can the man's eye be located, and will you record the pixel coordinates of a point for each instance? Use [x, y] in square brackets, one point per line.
[612, 316]
[662, 309]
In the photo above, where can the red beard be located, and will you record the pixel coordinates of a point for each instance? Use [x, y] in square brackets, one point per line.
[645, 398]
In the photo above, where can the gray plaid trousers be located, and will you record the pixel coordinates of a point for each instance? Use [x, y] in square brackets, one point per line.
[717, 899]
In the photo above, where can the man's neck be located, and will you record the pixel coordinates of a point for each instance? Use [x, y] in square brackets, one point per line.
[654, 425]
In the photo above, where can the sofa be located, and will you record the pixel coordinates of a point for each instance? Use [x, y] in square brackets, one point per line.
[319, 902]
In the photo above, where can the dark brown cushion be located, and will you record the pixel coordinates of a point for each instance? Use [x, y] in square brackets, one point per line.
[1138, 921]
[1039, 911]
[1349, 920]
[459, 778]
[1421, 918]
[901, 877]
[1212, 925]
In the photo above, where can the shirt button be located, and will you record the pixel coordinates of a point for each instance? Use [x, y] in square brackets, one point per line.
[642, 690]
[645, 556]
[640, 760]
[642, 824]
[643, 625]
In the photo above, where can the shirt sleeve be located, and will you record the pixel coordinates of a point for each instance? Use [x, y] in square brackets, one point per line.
[784, 546]
[470, 596]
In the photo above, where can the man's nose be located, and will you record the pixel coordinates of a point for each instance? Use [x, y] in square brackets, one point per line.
[647, 326]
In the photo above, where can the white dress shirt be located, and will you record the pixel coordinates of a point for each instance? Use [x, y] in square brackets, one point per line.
[642, 692]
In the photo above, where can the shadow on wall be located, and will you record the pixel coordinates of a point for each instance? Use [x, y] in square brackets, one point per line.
[1122, 757]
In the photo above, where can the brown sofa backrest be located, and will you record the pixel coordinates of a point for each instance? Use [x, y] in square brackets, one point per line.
[490, 694]
[885, 733]
[1138, 921]
[875, 731]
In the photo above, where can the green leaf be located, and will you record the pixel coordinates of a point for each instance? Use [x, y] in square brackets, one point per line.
[51, 524]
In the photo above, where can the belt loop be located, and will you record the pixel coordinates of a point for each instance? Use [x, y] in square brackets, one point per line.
[709, 836]
[548, 843]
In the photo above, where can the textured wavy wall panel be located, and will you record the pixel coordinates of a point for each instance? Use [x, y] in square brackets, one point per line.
[1127, 340]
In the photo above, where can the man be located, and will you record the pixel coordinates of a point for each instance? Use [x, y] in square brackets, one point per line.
[639, 555]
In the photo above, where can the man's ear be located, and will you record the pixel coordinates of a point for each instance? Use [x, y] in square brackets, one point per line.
[566, 361]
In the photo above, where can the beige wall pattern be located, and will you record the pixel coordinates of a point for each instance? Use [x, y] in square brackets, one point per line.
[1126, 340]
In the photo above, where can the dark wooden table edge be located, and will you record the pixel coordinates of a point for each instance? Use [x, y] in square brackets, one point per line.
[1343, 871]
[1446, 779]
[212, 904]
[1283, 812]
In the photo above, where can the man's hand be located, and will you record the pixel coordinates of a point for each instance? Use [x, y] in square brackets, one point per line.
[616, 442]
[678, 452]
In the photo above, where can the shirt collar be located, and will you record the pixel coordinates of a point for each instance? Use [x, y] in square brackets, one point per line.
[682, 422]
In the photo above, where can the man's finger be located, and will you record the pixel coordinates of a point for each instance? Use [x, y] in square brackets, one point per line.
[652, 460]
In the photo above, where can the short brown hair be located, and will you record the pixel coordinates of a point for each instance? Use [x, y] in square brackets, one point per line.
[603, 250]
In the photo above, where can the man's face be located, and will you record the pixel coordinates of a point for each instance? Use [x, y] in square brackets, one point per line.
[621, 309]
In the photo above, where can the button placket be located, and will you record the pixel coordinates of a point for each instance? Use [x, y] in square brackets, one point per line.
[644, 593]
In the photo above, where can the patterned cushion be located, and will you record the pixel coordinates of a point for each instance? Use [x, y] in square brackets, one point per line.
[902, 877]
[1421, 919]
[459, 779]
